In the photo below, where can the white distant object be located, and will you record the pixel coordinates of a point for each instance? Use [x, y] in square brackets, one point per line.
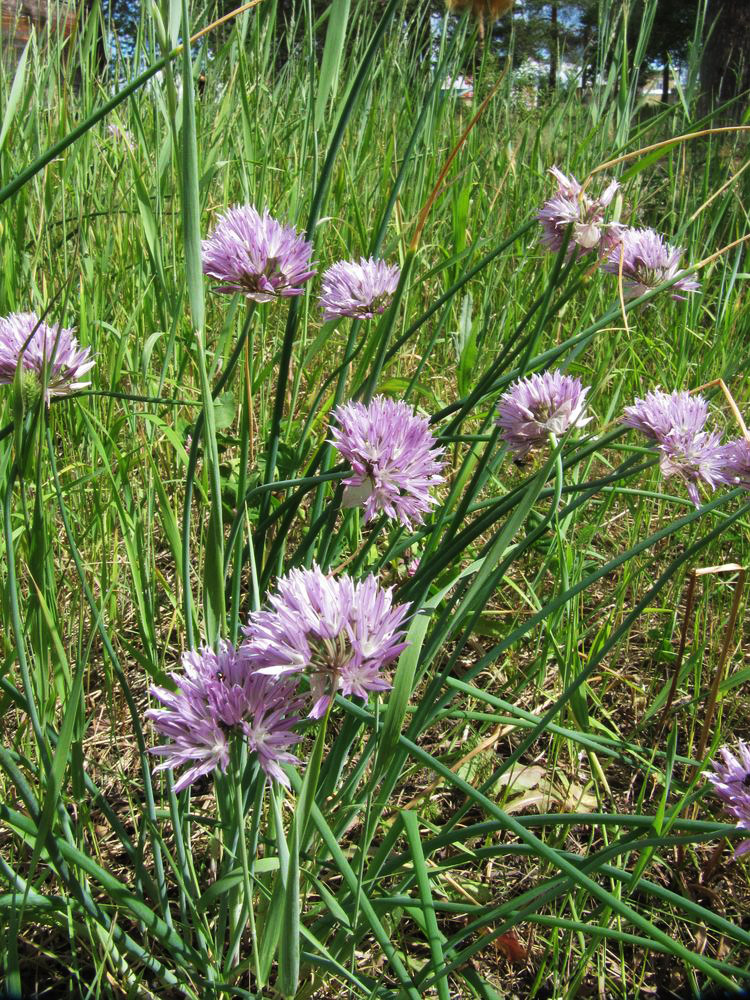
[460, 86]
[120, 135]
[536, 71]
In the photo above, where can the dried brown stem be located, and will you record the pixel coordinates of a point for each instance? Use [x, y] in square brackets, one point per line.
[720, 383]
[675, 140]
[726, 646]
[689, 601]
[422, 219]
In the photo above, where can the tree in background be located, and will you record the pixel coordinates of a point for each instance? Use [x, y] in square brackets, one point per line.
[725, 67]
[549, 35]
[548, 31]
[670, 35]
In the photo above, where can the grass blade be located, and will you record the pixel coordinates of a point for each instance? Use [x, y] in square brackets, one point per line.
[338, 15]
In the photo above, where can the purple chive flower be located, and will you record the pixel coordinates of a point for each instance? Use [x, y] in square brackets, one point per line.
[256, 256]
[694, 458]
[540, 405]
[675, 423]
[731, 781]
[219, 694]
[661, 413]
[647, 261]
[340, 631]
[586, 214]
[23, 336]
[736, 459]
[358, 289]
[394, 457]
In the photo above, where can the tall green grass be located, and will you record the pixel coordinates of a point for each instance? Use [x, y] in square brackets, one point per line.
[405, 861]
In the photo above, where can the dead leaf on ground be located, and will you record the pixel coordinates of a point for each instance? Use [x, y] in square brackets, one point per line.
[541, 792]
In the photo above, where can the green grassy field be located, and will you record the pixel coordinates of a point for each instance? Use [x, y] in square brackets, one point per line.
[519, 815]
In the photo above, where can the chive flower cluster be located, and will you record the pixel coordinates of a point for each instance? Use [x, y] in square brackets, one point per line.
[339, 632]
[218, 694]
[675, 423]
[736, 458]
[731, 781]
[394, 457]
[43, 351]
[263, 259]
[571, 208]
[538, 406]
[359, 289]
[644, 257]
[256, 255]
[647, 261]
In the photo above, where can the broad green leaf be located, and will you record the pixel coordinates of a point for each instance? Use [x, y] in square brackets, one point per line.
[289, 945]
[411, 826]
[14, 97]
[213, 577]
[225, 410]
[338, 15]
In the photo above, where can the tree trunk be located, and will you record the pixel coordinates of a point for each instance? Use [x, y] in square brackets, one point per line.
[553, 46]
[725, 67]
[665, 80]
[586, 57]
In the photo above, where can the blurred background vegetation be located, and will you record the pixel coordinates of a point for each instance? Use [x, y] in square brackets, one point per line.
[553, 44]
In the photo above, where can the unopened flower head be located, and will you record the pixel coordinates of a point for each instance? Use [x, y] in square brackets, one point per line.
[736, 460]
[731, 781]
[256, 256]
[647, 261]
[360, 289]
[341, 632]
[569, 207]
[540, 405]
[220, 695]
[23, 336]
[661, 413]
[394, 457]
